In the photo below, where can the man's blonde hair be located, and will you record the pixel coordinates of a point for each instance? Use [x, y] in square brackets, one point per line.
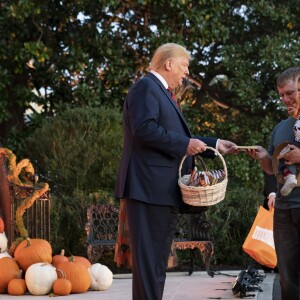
[165, 52]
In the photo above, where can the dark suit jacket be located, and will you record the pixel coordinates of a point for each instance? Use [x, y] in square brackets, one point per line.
[156, 137]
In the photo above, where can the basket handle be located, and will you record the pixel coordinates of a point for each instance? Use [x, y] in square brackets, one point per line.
[208, 148]
[197, 156]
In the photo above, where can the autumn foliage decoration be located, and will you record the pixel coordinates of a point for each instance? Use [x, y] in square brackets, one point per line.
[21, 174]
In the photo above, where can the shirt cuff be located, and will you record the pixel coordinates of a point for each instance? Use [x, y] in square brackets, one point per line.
[217, 145]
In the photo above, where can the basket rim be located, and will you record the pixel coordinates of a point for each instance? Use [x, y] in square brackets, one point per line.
[217, 153]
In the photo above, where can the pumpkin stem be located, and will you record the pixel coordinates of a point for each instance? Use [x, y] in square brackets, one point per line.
[62, 252]
[61, 274]
[28, 242]
[72, 258]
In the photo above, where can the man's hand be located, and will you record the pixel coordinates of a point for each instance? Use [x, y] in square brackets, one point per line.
[259, 153]
[262, 155]
[195, 146]
[227, 147]
[292, 157]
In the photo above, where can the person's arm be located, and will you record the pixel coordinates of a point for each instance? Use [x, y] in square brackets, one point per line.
[264, 158]
[223, 146]
[266, 165]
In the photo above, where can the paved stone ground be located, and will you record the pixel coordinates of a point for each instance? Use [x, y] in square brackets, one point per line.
[179, 286]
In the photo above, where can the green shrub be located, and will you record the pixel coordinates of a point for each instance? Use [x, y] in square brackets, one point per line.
[78, 153]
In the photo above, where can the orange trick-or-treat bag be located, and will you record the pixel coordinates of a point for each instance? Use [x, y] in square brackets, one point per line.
[259, 243]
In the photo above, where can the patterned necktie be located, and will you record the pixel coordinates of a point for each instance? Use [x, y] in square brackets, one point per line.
[173, 97]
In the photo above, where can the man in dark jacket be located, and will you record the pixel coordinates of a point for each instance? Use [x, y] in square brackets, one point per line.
[156, 137]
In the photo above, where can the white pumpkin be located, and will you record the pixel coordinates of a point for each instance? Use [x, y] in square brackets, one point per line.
[39, 278]
[3, 242]
[4, 254]
[101, 276]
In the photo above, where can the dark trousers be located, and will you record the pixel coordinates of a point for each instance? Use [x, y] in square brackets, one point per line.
[152, 229]
[287, 244]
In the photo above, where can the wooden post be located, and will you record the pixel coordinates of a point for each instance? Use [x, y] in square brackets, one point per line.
[6, 201]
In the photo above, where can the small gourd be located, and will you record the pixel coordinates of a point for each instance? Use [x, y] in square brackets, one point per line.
[9, 270]
[101, 276]
[17, 287]
[39, 278]
[62, 286]
[58, 258]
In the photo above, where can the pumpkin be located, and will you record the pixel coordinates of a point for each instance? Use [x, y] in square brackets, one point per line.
[57, 259]
[77, 273]
[9, 270]
[62, 286]
[17, 287]
[1, 225]
[32, 251]
[82, 260]
[39, 278]
[3, 242]
[101, 276]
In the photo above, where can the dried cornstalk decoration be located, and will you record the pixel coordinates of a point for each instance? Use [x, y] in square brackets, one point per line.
[22, 174]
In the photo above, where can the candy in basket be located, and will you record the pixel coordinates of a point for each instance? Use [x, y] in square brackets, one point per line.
[205, 178]
[203, 187]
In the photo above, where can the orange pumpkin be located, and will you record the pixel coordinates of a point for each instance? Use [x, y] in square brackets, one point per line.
[57, 259]
[62, 286]
[32, 251]
[82, 260]
[9, 270]
[17, 287]
[77, 273]
[1, 225]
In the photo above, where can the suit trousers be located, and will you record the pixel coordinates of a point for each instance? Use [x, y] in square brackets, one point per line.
[287, 244]
[152, 229]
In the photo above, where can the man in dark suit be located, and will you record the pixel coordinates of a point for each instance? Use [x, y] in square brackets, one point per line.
[156, 137]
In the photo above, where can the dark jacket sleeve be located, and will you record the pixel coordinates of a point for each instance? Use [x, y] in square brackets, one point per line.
[209, 141]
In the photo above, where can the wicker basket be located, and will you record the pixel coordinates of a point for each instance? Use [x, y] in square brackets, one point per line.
[203, 195]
